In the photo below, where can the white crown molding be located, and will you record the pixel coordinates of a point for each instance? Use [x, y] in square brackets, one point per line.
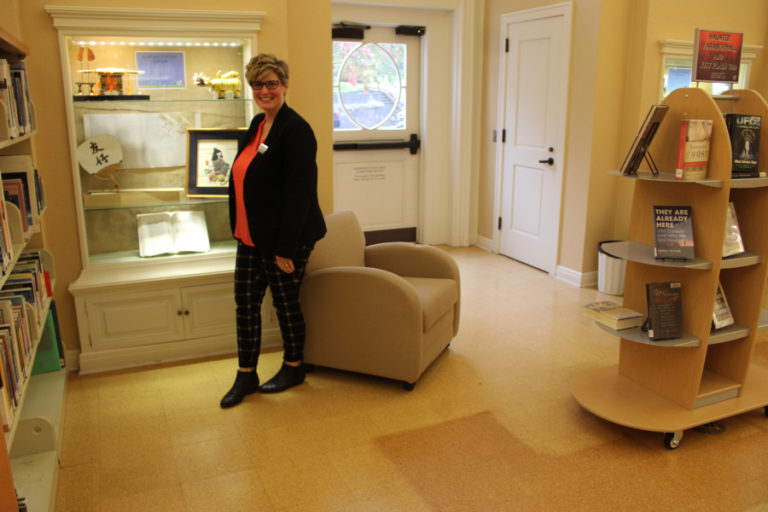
[152, 20]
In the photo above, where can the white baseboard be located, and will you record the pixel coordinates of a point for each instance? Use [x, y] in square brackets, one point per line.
[484, 243]
[576, 278]
[119, 359]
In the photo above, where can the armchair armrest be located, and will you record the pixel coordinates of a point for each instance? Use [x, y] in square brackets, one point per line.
[407, 259]
[353, 291]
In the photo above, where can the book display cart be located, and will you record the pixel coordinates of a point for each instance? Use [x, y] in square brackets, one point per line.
[704, 376]
[29, 451]
[185, 301]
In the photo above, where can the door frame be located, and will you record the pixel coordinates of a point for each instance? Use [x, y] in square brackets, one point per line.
[446, 173]
[564, 9]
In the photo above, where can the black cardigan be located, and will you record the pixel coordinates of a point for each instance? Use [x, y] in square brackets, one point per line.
[280, 187]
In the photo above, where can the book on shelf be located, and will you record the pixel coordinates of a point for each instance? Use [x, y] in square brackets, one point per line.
[721, 315]
[744, 132]
[22, 167]
[33, 259]
[9, 399]
[13, 192]
[693, 149]
[57, 333]
[6, 98]
[639, 148]
[665, 310]
[16, 354]
[48, 358]
[6, 242]
[21, 94]
[172, 233]
[9, 101]
[613, 315]
[673, 232]
[732, 242]
[25, 191]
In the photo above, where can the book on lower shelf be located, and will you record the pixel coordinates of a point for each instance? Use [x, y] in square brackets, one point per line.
[732, 242]
[15, 355]
[13, 191]
[744, 132]
[693, 149]
[172, 233]
[22, 167]
[721, 315]
[673, 232]
[613, 315]
[665, 310]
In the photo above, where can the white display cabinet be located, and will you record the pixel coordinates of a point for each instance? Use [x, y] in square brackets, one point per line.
[135, 310]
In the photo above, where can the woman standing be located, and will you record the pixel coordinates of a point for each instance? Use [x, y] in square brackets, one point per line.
[276, 219]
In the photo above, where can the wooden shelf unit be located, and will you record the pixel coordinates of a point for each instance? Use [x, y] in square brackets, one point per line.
[684, 383]
[29, 451]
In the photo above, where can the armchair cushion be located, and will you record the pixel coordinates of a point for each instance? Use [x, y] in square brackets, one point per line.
[437, 297]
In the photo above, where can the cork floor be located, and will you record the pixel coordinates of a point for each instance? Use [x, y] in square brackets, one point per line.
[491, 426]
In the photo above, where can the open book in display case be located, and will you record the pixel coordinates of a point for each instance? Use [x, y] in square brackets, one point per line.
[705, 375]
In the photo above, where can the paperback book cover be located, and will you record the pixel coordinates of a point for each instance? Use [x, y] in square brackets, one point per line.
[721, 315]
[613, 315]
[693, 149]
[732, 242]
[744, 132]
[665, 310]
[673, 232]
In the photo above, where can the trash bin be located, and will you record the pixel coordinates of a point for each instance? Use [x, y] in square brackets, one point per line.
[610, 271]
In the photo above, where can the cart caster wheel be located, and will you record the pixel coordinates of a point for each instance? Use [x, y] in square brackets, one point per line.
[765, 410]
[672, 439]
[408, 386]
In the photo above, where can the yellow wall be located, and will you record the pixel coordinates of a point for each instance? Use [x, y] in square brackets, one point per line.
[295, 30]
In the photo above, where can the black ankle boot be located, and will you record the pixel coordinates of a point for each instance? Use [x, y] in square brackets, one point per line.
[245, 384]
[287, 377]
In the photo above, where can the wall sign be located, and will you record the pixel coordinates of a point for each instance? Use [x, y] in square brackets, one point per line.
[716, 56]
[162, 70]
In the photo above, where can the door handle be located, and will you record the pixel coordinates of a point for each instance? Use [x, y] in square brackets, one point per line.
[549, 161]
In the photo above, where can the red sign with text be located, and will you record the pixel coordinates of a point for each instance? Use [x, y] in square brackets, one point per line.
[716, 56]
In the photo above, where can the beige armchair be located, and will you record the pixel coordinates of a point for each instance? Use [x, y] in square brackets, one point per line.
[388, 309]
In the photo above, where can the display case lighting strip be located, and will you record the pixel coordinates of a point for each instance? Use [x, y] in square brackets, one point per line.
[157, 43]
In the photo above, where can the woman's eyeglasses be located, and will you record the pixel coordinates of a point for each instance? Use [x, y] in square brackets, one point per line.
[270, 84]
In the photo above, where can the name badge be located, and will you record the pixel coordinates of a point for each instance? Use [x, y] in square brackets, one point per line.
[263, 148]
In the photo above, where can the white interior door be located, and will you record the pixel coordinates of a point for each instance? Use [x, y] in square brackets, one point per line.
[534, 75]
[376, 100]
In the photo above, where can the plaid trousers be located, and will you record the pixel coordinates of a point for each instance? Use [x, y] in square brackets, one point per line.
[255, 271]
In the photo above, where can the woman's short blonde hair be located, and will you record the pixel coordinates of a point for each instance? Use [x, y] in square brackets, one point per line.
[262, 64]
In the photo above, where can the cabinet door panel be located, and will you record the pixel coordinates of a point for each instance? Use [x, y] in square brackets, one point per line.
[209, 310]
[133, 319]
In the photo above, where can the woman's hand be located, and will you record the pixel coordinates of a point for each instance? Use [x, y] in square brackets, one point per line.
[284, 264]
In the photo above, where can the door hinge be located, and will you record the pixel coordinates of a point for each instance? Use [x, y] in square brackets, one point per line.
[506, 46]
[504, 135]
[499, 223]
